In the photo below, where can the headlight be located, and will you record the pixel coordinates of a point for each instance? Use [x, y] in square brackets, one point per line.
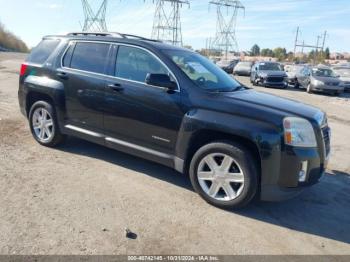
[298, 132]
[318, 82]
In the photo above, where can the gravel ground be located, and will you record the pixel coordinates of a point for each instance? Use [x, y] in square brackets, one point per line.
[80, 197]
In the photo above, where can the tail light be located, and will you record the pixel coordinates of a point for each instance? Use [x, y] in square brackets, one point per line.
[23, 69]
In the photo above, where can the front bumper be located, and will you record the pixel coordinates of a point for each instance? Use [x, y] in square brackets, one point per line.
[288, 183]
[328, 88]
[274, 84]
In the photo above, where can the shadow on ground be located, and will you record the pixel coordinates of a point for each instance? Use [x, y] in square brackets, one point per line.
[322, 210]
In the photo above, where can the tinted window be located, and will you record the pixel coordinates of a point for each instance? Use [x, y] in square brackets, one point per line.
[134, 64]
[42, 51]
[270, 67]
[68, 56]
[202, 72]
[90, 57]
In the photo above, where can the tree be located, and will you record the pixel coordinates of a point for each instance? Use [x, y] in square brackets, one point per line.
[266, 52]
[327, 53]
[280, 53]
[255, 51]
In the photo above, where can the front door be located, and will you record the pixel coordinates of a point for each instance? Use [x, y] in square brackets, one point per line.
[137, 113]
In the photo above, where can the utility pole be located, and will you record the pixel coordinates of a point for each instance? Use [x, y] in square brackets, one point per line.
[225, 39]
[296, 41]
[324, 40]
[316, 47]
[167, 21]
[94, 21]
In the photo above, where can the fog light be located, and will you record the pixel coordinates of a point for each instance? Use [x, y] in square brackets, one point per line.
[303, 171]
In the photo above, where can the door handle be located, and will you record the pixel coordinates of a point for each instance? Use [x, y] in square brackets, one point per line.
[62, 75]
[115, 87]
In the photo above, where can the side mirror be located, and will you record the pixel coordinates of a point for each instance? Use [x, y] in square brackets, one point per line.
[161, 80]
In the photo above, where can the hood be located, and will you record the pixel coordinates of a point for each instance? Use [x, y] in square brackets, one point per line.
[272, 73]
[344, 79]
[327, 79]
[287, 106]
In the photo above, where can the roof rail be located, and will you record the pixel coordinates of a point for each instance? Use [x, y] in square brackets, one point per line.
[111, 34]
[94, 34]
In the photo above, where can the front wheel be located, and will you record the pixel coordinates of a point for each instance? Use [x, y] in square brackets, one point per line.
[43, 124]
[224, 174]
[309, 89]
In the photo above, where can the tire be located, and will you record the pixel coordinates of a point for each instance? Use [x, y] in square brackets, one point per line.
[244, 185]
[296, 84]
[47, 134]
[309, 89]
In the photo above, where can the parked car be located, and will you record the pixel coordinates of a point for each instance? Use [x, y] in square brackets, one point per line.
[320, 78]
[268, 74]
[292, 72]
[174, 107]
[344, 76]
[228, 66]
[243, 69]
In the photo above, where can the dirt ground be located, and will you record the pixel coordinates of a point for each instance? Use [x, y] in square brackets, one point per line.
[80, 197]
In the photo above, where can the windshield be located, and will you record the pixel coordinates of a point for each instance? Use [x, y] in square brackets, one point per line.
[270, 67]
[323, 72]
[202, 71]
[343, 72]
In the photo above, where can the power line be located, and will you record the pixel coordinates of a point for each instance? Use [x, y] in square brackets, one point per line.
[95, 21]
[225, 39]
[167, 21]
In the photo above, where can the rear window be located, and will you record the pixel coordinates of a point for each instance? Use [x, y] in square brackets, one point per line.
[42, 51]
[90, 57]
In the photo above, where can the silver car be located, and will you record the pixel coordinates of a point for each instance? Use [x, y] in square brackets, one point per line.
[344, 75]
[321, 79]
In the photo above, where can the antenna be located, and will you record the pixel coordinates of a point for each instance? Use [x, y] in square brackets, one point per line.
[94, 22]
[225, 38]
[167, 21]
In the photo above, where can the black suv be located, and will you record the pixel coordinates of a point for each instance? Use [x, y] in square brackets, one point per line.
[173, 106]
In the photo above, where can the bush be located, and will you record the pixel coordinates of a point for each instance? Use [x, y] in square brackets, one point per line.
[10, 42]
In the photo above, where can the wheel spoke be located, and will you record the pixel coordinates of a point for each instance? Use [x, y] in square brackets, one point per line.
[47, 132]
[42, 133]
[210, 161]
[235, 177]
[226, 163]
[206, 175]
[49, 123]
[43, 114]
[214, 188]
[230, 193]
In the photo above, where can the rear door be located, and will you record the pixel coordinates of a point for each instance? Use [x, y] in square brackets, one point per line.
[83, 69]
[138, 113]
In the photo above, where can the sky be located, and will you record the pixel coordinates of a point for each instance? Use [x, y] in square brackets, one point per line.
[268, 23]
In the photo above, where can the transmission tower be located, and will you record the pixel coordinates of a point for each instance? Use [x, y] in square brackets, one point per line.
[167, 22]
[225, 39]
[95, 21]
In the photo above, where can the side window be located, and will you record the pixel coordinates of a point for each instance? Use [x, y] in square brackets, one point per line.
[90, 57]
[42, 51]
[68, 56]
[134, 64]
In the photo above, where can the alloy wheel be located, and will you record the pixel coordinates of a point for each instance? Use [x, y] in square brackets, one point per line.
[43, 125]
[220, 177]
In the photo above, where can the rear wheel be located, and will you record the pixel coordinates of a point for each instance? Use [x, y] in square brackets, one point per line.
[43, 124]
[224, 174]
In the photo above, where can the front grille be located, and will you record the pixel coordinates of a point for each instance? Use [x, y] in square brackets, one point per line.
[275, 79]
[332, 84]
[326, 139]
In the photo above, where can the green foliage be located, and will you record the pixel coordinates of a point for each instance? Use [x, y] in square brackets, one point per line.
[255, 51]
[267, 52]
[280, 53]
[11, 42]
[327, 53]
